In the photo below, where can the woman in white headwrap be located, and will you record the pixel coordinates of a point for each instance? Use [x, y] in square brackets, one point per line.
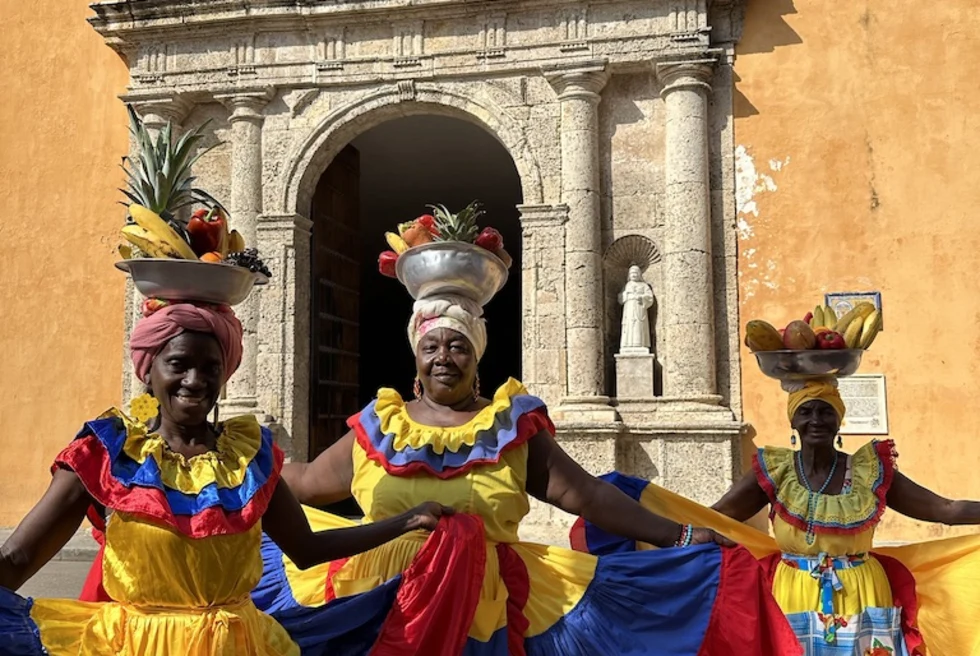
[472, 587]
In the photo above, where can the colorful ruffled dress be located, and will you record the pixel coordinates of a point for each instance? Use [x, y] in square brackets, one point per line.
[841, 596]
[471, 587]
[182, 550]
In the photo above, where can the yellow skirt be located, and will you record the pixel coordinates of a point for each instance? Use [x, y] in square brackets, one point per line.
[75, 628]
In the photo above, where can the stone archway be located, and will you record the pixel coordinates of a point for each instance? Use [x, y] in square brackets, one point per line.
[339, 127]
[287, 308]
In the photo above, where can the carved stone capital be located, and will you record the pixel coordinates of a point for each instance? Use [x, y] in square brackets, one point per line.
[690, 74]
[246, 105]
[283, 224]
[580, 80]
[542, 216]
[157, 111]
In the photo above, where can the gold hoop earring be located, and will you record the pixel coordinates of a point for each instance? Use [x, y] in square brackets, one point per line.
[476, 388]
[417, 388]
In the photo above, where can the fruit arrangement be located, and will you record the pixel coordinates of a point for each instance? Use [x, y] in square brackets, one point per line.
[818, 330]
[159, 183]
[441, 226]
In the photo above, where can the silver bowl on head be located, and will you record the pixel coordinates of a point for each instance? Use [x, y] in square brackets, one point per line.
[785, 365]
[451, 267]
[191, 280]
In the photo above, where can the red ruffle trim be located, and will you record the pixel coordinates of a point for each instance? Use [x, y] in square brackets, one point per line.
[87, 457]
[885, 450]
[528, 425]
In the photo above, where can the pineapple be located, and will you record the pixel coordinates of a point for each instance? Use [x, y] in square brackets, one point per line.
[457, 227]
[160, 177]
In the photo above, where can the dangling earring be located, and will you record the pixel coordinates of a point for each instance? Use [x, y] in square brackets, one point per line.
[792, 438]
[840, 441]
[417, 388]
[476, 388]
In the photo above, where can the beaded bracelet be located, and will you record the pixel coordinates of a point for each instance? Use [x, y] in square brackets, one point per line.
[687, 534]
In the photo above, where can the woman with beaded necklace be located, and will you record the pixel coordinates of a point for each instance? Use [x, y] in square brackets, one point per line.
[841, 598]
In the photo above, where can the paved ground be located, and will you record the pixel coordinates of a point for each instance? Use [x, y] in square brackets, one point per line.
[59, 578]
[65, 574]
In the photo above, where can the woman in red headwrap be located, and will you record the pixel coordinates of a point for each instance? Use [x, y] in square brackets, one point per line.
[183, 503]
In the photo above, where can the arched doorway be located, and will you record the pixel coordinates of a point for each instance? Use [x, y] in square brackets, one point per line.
[387, 175]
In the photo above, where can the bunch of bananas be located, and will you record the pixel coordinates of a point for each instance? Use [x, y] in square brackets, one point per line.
[860, 326]
[155, 237]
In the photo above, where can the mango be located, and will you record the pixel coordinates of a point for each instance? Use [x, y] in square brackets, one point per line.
[762, 336]
[798, 336]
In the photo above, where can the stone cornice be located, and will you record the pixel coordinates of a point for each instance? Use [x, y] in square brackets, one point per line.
[303, 43]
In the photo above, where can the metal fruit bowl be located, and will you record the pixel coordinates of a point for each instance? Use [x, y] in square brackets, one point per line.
[191, 280]
[451, 267]
[806, 365]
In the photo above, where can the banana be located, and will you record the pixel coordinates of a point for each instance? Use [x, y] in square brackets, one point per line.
[152, 223]
[852, 336]
[236, 243]
[829, 317]
[150, 243]
[861, 310]
[224, 239]
[125, 251]
[396, 242]
[817, 321]
[870, 329]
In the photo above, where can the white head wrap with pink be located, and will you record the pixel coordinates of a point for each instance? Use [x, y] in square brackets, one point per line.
[449, 311]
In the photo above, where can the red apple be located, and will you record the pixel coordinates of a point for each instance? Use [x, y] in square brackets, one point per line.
[830, 340]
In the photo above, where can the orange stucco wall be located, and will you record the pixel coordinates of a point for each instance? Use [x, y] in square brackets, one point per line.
[62, 130]
[862, 125]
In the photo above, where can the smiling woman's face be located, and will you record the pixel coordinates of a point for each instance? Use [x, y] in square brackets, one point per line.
[446, 365]
[186, 378]
[817, 423]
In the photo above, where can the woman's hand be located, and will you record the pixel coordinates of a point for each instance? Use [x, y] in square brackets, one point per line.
[426, 516]
[706, 535]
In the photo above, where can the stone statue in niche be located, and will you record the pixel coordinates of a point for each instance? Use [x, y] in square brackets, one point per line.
[636, 299]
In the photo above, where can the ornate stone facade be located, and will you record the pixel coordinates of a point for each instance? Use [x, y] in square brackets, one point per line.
[618, 116]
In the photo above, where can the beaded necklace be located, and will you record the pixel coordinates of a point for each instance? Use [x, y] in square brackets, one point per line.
[811, 499]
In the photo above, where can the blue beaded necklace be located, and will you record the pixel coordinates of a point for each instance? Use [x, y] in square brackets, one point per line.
[811, 499]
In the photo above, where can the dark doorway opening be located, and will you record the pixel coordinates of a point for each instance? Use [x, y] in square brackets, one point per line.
[386, 176]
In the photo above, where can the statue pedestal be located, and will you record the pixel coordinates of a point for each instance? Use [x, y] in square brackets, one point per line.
[634, 374]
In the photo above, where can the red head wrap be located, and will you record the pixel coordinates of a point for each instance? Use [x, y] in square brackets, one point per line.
[162, 322]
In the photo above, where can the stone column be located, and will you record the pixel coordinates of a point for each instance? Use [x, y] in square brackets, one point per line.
[244, 207]
[689, 339]
[283, 376]
[543, 302]
[578, 90]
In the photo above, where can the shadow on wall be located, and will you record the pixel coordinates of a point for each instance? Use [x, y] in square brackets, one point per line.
[764, 29]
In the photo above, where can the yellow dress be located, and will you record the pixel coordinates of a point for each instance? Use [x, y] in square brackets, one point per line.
[182, 550]
[870, 601]
[473, 588]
